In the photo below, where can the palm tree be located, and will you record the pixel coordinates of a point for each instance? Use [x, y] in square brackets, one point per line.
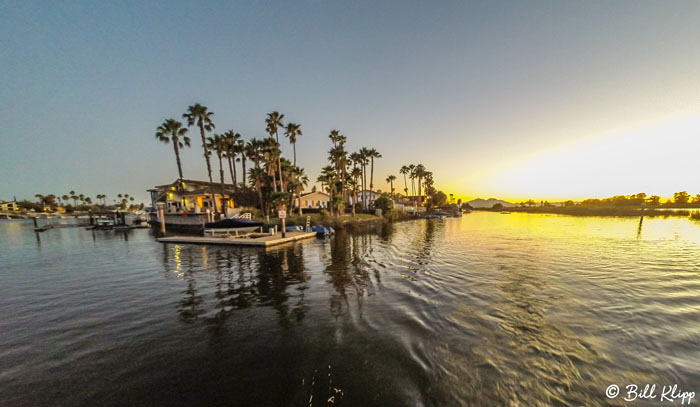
[172, 130]
[199, 115]
[231, 152]
[420, 173]
[274, 122]
[405, 170]
[390, 179]
[65, 198]
[257, 177]
[372, 155]
[355, 174]
[82, 198]
[412, 176]
[241, 149]
[300, 181]
[271, 155]
[74, 197]
[293, 130]
[218, 144]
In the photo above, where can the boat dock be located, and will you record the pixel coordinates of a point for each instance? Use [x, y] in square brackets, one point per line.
[264, 240]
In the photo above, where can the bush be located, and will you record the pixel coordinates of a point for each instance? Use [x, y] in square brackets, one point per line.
[384, 202]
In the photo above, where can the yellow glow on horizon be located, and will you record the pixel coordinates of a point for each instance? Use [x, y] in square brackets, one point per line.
[659, 159]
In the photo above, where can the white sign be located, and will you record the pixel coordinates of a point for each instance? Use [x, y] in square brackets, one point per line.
[282, 214]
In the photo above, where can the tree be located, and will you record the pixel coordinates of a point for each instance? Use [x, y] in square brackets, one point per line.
[654, 200]
[439, 198]
[420, 174]
[681, 197]
[355, 174]
[218, 144]
[384, 202]
[172, 131]
[231, 144]
[372, 155]
[300, 180]
[696, 199]
[405, 170]
[241, 149]
[292, 131]
[274, 122]
[257, 177]
[390, 179]
[199, 115]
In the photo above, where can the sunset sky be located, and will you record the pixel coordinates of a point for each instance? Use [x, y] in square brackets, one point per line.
[513, 100]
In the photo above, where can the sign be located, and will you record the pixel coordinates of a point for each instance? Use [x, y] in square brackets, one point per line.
[282, 214]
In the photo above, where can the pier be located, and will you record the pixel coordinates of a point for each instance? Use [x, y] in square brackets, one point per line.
[260, 240]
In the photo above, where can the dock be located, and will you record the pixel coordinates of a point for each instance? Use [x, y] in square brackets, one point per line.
[264, 241]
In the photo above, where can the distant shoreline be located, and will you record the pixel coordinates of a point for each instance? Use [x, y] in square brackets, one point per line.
[580, 210]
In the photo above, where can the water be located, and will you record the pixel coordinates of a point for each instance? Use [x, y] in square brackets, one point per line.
[488, 309]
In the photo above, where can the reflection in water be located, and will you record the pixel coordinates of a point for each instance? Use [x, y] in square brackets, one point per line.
[483, 310]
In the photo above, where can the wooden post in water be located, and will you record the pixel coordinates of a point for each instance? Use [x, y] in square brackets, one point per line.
[161, 215]
[284, 229]
[35, 224]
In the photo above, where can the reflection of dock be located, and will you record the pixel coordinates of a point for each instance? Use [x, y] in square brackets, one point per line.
[265, 240]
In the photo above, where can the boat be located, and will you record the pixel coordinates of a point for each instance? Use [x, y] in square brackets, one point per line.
[322, 230]
[240, 224]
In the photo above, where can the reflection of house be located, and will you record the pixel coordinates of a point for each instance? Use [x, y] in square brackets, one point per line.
[314, 200]
[191, 196]
[8, 206]
[365, 196]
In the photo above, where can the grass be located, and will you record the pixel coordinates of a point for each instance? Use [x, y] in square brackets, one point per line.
[324, 220]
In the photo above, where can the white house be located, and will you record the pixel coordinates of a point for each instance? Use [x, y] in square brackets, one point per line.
[365, 196]
[313, 200]
[8, 206]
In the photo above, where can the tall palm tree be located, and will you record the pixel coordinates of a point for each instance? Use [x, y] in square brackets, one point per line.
[218, 144]
[232, 139]
[372, 155]
[404, 170]
[420, 174]
[274, 122]
[293, 130]
[364, 160]
[390, 179]
[355, 174]
[172, 130]
[241, 149]
[199, 115]
[271, 154]
[74, 198]
[412, 176]
[65, 198]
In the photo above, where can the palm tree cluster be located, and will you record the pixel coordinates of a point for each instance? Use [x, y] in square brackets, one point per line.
[347, 173]
[274, 178]
[424, 181]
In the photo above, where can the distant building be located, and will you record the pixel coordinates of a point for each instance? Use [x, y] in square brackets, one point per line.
[313, 200]
[191, 196]
[8, 206]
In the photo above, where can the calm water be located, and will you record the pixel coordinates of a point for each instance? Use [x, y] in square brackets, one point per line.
[489, 309]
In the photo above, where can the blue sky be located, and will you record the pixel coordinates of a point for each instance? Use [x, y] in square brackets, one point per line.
[465, 88]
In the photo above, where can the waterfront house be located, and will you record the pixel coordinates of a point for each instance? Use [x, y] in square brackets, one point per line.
[8, 206]
[314, 200]
[365, 196]
[191, 196]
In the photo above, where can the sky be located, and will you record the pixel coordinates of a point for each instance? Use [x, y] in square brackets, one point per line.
[515, 100]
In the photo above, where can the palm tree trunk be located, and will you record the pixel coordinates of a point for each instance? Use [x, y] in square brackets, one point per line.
[257, 186]
[232, 171]
[294, 145]
[221, 174]
[299, 198]
[243, 164]
[405, 185]
[279, 165]
[371, 176]
[179, 164]
[206, 157]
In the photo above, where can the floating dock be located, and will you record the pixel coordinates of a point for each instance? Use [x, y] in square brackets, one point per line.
[264, 241]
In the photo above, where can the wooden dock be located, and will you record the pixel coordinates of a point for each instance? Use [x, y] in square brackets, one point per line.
[264, 241]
